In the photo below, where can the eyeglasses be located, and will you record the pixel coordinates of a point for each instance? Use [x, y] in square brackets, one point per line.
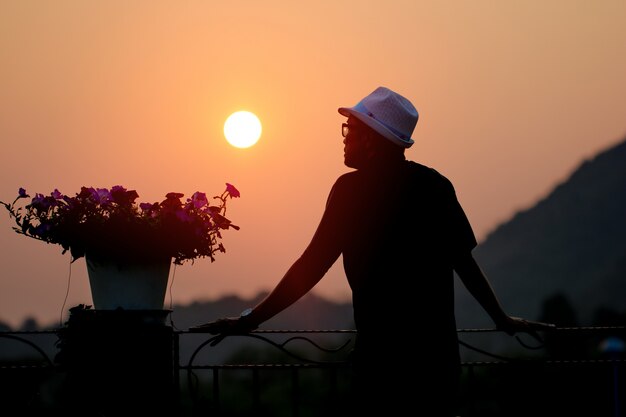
[346, 128]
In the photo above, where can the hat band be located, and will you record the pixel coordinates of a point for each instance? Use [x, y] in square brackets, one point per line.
[360, 107]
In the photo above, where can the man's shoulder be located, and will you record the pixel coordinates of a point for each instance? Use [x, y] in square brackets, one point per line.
[348, 178]
[426, 173]
[410, 171]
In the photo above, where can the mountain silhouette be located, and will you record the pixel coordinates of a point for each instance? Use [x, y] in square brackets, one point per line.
[310, 312]
[571, 243]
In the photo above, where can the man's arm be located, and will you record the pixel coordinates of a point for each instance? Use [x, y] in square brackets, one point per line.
[300, 278]
[297, 281]
[303, 275]
[479, 287]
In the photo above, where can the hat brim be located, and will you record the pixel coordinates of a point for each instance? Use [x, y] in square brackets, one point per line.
[377, 126]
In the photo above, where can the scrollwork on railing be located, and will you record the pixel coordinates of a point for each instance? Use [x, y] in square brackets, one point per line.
[17, 337]
[283, 346]
[213, 341]
[541, 343]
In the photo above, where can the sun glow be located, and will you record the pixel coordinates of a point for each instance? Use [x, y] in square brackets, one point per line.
[242, 129]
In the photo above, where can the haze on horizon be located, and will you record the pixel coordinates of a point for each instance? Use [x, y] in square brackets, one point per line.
[512, 96]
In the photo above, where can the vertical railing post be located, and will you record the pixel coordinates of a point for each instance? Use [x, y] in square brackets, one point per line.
[470, 392]
[176, 368]
[295, 386]
[256, 390]
[216, 390]
[332, 397]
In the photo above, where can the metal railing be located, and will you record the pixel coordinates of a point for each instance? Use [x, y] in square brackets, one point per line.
[572, 371]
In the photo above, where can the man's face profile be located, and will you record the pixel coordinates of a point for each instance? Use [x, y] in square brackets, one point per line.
[355, 152]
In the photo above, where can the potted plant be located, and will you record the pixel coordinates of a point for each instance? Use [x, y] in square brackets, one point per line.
[125, 244]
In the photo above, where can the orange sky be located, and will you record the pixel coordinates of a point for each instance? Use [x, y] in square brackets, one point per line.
[512, 97]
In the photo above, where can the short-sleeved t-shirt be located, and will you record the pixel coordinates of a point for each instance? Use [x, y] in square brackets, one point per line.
[399, 228]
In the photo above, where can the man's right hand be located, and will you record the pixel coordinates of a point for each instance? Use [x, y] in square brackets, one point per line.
[512, 325]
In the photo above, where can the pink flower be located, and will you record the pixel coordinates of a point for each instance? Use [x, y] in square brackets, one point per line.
[230, 189]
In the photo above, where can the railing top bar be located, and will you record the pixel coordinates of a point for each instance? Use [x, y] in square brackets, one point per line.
[24, 367]
[547, 362]
[347, 364]
[30, 332]
[470, 330]
[282, 331]
[592, 328]
[267, 366]
[306, 331]
[347, 331]
[558, 329]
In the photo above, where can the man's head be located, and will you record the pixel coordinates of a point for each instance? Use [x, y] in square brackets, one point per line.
[379, 126]
[388, 113]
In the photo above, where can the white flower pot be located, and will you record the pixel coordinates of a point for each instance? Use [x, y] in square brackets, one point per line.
[140, 286]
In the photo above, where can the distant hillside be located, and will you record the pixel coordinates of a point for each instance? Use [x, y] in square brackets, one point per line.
[310, 312]
[571, 243]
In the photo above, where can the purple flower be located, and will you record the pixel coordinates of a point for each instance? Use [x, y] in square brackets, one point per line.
[199, 199]
[38, 203]
[102, 196]
[41, 230]
[183, 216]
[56, 194]
[22, 193]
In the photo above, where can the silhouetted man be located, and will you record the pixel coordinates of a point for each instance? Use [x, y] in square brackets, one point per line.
[402, 234]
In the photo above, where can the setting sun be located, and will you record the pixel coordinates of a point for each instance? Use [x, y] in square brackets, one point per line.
[242, 129]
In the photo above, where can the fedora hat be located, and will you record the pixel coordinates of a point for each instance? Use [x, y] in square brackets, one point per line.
[388, 113]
